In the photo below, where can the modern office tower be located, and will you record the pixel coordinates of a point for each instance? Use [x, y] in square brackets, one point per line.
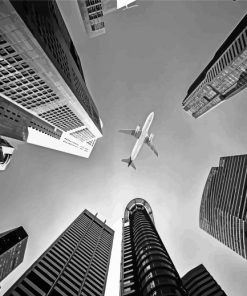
[6, 151]
[224, 203]
[146, 268]
[44, 99]
[93, 12]
[199, 282]
[12, 249]
[75, 264]
[223, 77]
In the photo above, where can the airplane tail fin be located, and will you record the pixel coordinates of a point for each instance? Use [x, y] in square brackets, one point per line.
[129, 162]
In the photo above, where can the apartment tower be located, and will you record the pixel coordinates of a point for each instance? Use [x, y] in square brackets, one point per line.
[224, 203]
[146, 267]
[223, 77]
[75, 264]
[44, 99]
[199, 282]
[12, 249]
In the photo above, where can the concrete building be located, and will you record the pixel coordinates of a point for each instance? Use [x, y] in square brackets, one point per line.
[6, 152]
[12, 249]
[93, 12]
[75, 264]
[146, 267]
[223, 207]
[199, 282]
[44, 98]
[223, 77]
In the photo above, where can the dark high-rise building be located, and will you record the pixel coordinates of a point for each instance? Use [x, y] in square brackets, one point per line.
[75, 264]
[223, 77]
[146, 267]
[199, 282]
[44, 99]
[224, 203]
[12, 249]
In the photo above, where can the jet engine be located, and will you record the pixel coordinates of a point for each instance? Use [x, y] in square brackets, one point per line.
[151, 136]
[138, 128]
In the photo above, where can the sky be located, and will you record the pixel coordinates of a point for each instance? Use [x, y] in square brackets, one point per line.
[145, 62]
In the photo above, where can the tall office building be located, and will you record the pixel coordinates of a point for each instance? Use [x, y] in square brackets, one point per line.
[44, 99]
[6, 152]
[199, 282]
[223, 77]
[93, 12]
[75, 264]
[12, 249]
[146, 267]
[224, 203]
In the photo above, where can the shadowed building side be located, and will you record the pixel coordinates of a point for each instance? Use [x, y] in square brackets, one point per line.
[146, 268]
[223, 207]
[223, 77]
[199, 282]
[76, 263]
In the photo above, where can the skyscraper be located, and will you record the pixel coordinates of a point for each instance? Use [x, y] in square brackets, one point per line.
[44, 98]
[199, 282]
[93, 12]
[12, 249]
[146, 267]
[223, 77]
[75, 264]
[224, 203]
[6, 152]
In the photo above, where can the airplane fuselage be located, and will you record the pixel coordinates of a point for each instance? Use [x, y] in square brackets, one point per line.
[140, 141]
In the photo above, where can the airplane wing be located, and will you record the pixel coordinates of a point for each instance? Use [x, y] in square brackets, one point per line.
[134, 133]
[151, 145]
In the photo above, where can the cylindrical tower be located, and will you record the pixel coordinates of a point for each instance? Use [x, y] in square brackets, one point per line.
[146, 268]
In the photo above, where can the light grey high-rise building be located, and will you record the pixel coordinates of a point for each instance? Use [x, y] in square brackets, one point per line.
[44, 99]
[223, 210]
[223, 77]
[76, 264]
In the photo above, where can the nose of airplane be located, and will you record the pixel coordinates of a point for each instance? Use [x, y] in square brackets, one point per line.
[152, 114]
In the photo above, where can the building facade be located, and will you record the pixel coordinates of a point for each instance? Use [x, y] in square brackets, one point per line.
[199, 282]
[223, 207]
[223, 77]
[6, 152]
[75, 264]
[12, 249]
[44, 99]
[146, 268]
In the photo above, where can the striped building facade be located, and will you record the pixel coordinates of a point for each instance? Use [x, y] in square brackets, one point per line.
[44, 99]
[75, 264]
[223, 77]
[146, 268]
[199, 282]
[223, 207]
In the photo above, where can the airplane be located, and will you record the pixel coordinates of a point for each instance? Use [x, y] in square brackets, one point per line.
[142, 137]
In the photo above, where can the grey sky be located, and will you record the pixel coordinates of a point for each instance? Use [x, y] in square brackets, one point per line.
[145, 62]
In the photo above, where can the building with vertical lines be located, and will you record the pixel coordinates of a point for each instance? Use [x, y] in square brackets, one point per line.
[199, 282]
[224, 203]
[6, 152]
[12, 249]
[223, 77]
[75, 264]
[44, 99]
[146, 267]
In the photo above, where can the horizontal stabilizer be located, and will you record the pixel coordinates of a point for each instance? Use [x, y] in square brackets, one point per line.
[127, 160]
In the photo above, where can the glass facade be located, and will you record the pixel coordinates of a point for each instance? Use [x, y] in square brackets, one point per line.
[223, 77]
[75, 264]
[12, 249]
[146, 268]
[223, 207]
